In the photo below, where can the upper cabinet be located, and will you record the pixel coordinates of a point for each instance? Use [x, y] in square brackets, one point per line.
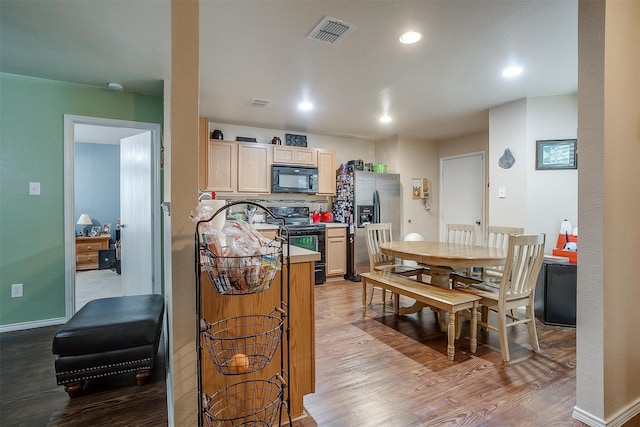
[326, 172]
[245, 167]
[285, 154]
[217, 162]
[222, 166]
[254, 168]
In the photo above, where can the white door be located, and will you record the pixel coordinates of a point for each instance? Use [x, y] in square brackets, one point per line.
[462, 190]
[136, 214]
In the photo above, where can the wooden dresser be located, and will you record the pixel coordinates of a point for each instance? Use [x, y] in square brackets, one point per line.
[87, 251]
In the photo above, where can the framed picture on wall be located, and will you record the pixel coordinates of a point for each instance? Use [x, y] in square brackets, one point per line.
[556, 154]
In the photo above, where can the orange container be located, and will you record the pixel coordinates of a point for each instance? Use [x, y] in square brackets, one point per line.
[558, 251]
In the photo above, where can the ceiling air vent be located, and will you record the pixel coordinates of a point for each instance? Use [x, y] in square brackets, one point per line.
[257, 102]
[330, 30]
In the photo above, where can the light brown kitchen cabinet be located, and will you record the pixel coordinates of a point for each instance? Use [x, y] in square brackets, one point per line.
[222, 166]
[326, 172]
[217, 161]
[285, 154]
[336, 257]
[254, 168]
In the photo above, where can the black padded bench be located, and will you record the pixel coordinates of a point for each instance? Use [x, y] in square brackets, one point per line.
[109, 336]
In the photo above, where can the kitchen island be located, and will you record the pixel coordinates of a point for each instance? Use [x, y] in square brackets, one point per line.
[215, 307]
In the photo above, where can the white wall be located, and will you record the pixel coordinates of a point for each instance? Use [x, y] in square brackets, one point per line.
[418, 158]
[552, 195]
[508, 129]
[608, 349]
[538, 200]
[388, 152]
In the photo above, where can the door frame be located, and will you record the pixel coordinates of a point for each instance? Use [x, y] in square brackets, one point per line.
[483, 227]
[69, 199]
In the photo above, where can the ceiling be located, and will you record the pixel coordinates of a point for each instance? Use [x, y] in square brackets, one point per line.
[438, 88]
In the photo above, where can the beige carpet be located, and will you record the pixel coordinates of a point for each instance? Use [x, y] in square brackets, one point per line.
[94, 284]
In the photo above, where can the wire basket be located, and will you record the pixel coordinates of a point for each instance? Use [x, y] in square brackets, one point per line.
[242, 344]
[249, 403]
[240, 275]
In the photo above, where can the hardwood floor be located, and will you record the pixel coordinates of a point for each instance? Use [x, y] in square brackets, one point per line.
[379, 371]
[393, 371]
[29, 395]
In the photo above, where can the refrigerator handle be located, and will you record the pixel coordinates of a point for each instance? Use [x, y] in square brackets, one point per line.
[376, 207]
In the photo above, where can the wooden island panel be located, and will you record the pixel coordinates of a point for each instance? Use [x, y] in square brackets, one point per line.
[216, 307]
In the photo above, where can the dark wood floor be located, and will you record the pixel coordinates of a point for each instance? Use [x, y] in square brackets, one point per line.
[30, 397]
[379, 371]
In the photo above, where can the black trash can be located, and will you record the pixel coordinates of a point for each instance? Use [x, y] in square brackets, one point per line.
[106, 258]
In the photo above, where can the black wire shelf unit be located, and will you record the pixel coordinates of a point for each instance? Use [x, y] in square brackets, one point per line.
[242, 345]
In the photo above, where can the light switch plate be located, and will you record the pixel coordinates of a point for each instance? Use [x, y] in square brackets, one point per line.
[16, 290]
[502, 192]
[34, 188]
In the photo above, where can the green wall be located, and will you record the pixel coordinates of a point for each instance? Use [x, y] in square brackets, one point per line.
[32, 150]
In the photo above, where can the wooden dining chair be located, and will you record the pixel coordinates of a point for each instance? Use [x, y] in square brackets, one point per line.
[498, 237]
[516, 289]
[377, 234]
[464, 234]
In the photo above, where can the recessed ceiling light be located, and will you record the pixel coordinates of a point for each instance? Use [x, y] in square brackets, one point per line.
[305, 106]
[410, 37]
[115, 86]
[512, 72]
[385, 119]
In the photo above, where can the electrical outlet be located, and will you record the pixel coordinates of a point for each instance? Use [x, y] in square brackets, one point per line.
[16, 290]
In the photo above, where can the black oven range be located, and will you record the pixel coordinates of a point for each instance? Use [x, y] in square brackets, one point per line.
[304, 234]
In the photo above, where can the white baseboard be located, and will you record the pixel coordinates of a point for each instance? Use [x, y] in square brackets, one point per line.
[587, 418]
[32, 325]
[617, 420]
[625, 415]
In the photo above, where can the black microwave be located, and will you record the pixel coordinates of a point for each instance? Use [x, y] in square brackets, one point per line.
[294, 179]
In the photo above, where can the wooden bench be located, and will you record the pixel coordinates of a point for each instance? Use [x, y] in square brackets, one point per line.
[449, 300]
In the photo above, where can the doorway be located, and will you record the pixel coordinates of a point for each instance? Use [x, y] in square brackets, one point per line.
[462, 190]
[141, 154]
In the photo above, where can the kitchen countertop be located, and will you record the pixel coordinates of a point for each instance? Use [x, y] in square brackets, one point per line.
[265, 226]
[335, 224]
[299, 255]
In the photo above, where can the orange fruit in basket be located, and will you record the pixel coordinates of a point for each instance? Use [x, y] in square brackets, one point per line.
[238, 364]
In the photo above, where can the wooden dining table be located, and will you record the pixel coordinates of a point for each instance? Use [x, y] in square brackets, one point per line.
[442, 259]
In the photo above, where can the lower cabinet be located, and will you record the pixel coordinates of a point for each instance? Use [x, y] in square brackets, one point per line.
[336, 251]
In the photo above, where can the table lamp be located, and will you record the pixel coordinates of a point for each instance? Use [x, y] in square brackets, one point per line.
[84, 220]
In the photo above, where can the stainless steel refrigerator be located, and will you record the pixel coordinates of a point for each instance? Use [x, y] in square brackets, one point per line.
[376, 197]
